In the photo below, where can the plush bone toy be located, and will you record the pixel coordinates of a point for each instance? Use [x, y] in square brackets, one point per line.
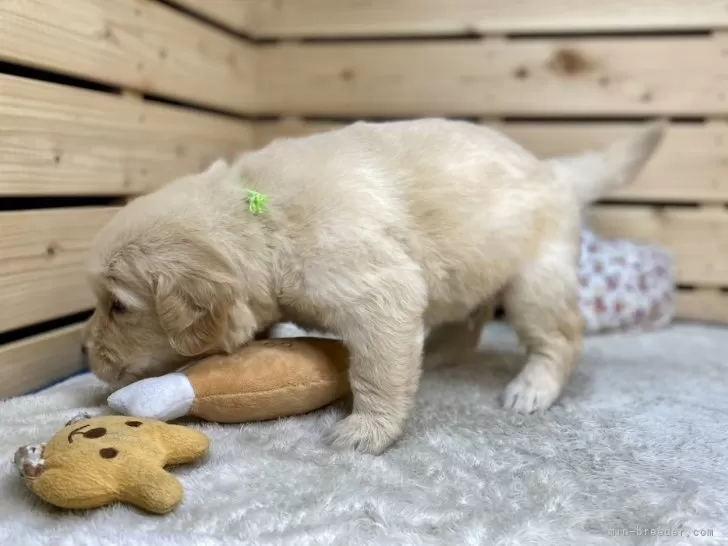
[263, 380]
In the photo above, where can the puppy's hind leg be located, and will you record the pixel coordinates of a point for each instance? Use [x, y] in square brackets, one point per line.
[450, 343]
[542, 306]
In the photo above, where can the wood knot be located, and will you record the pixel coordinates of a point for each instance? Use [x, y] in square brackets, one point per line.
[570, 62]
[521, 73]
[51, 249]
[107, 33]
[347, 74]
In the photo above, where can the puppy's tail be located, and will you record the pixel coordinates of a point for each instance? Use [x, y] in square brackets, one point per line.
[593, 174]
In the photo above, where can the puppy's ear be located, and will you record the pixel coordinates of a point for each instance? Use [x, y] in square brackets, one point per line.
[217, 167]
[194, 301]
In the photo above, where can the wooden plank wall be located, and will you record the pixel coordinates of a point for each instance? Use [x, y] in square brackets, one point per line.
[102, 100]
[99, 101]
[557, 75]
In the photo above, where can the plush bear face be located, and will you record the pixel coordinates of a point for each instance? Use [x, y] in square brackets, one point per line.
[92, 462]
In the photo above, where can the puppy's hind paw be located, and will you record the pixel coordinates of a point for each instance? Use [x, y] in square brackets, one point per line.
[525, 395]
[364, 433]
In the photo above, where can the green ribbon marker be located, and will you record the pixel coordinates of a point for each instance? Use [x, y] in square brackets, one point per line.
[257, 202]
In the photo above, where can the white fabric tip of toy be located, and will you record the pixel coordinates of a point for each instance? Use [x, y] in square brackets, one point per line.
[164, 398]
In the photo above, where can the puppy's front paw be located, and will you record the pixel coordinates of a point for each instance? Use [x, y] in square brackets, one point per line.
[364, 433]
[526, 394]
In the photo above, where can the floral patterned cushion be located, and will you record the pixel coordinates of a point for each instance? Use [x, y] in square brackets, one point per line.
[625, 286]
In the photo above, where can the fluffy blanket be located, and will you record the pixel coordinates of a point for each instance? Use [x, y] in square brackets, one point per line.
[635, 453]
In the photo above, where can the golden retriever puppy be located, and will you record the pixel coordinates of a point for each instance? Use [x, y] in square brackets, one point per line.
[374, 232]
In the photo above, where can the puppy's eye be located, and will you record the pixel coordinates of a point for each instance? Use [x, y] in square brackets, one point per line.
[117, 306]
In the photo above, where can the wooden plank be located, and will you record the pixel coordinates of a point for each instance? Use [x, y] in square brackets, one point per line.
[690, 165]
[304, 18]
[37, 361]
[696, 238]
[541, 77]
[59, 140]
[42, 270]
[702, 306]
[129, 43]
[233, 14]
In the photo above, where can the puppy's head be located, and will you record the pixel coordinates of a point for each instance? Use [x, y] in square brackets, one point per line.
[165, 294]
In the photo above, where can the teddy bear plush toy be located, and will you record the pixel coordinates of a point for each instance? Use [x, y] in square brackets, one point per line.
[92, 462]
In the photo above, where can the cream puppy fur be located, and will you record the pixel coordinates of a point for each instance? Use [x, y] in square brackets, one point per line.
[374, 232]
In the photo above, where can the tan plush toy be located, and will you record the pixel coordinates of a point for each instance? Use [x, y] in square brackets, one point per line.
[96, 461]
[263, 380]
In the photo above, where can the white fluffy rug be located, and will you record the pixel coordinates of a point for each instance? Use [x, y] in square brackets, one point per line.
[638, 445]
